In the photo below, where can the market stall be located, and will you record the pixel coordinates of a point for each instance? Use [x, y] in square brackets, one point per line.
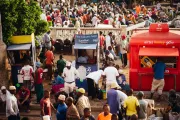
[145, 47]
[21, 49]
[86, 52]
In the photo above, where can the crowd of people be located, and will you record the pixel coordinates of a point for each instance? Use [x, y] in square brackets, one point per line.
[86, 14]
[71, 102]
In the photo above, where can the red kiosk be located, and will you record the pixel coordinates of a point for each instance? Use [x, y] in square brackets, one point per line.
[145, 47]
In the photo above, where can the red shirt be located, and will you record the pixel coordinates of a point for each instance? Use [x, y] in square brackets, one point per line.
[49, 57]
[106, 21]
[39, 76]
[101, 38]
[46, 104]
[23, 94]
[48, 18]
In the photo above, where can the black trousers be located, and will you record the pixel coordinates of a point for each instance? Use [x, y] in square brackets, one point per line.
[14, 117]
[92, 89]
[124, 59]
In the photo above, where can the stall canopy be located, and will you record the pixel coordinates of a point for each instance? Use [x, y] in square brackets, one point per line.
[171, 52]
[86, 41]
[19, 47]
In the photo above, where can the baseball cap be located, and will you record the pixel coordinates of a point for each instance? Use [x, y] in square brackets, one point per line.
[81, 90]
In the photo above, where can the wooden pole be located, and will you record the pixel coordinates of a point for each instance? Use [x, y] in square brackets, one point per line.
[1, 38]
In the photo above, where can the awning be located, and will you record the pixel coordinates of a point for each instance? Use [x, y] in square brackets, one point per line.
[85, 46]
[158, 52]
[19, 47]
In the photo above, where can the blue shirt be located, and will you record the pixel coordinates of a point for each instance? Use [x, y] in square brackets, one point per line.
[62, 108]
[58, 80]
[159, 69]
[113, 101]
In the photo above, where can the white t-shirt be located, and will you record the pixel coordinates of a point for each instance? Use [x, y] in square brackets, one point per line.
[43, 17]
[110, 73]
[122, 96]
[69, 74]
[95, 75]
[111, 56]
[27, 71]
[94, 20]
[108, 41]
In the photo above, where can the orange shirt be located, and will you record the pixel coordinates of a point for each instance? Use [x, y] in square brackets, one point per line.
[144, 11]
[138, 10]
[102, 117]
[49, 57]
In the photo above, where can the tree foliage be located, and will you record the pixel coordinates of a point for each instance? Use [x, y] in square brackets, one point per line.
[21, 18]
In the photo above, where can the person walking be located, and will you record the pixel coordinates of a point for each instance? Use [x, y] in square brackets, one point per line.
[12, 110]
[92, 81]
[111, 74]
[87, 115]
[62, 108]
[27, 72]
[3, 96]
[83, 101]
[72, 112]
[101, 45]
[69, 74]
[61, 64]
[113, 99]
[105, 115]
[46, 104]
[49, 62]
[158, 80]
[38, 82]
[142, 114]
[131, 105]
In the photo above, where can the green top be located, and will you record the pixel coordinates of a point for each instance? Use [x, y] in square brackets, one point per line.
[61, 65]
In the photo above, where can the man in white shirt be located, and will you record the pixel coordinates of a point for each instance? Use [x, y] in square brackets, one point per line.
[27, 72]
[92, 81]
[3, 95]
[123, 50]
[111, 74]
[108, 40]
[69, 74]
[94, 20]
[12, 111]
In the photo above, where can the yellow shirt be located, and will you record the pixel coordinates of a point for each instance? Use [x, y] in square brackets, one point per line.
[102, 117]
[130, 104]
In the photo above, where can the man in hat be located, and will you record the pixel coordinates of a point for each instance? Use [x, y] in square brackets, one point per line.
[3, 96]
[12, 111]
[62, 108]
[23, 97]
[83, 101]
[69, 74]
[142, 114]
[38, 82]
[113, 99]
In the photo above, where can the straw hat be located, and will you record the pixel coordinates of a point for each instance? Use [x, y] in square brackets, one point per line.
[115, 85]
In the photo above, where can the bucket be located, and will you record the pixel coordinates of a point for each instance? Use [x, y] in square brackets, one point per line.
[104, 94]
[46, 117]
